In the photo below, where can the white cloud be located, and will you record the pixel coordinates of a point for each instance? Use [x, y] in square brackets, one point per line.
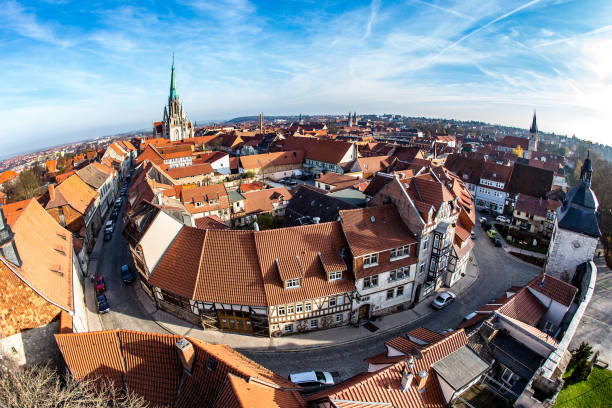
[18, 19]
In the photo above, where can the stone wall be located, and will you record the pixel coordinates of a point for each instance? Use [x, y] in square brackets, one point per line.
[32, 346]
[569, 249]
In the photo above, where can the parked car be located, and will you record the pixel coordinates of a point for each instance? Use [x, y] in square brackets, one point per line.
[100, 284]
[498, 242]
[492, 234]
[291, 182]
[114, 215]
[483, 220]
[126, 274]
[312, 381]
[118, 202]
[109, 227]
[103, 304]
[108, 235]
[501, 218]
[473, 235]
[443, 299]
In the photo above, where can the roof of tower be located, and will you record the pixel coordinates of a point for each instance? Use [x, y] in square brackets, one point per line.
[534, 125]
[172, 82]
[579, 210]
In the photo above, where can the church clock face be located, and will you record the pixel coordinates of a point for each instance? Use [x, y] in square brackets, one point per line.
[576, 244]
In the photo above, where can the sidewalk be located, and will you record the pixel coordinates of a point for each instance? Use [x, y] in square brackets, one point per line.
[311, 340]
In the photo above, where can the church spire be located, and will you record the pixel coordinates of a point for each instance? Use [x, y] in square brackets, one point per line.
[534, 125]
[172, 82]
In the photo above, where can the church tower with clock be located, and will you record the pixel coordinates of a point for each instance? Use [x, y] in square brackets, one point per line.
[576, 230]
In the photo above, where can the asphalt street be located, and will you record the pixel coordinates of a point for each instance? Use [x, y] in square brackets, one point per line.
[497, 272]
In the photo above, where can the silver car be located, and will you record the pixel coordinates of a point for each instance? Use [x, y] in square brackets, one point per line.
[443, 299]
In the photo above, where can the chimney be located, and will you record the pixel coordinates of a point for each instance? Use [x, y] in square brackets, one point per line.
[411, 362]
[422, 379]
[406, 381]
[255, 226]
[316, 220]
[186, 353]
[51, 192]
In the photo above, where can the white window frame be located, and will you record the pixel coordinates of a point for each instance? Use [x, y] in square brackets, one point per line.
[339, 318]
[314, 324]
[289, 309]
[370, 282]
[292, 283]
[334, 276]
[289, 328]
[332, 300]
[280, 310]
[298, 308]
[370, 260]
[398, 290]
[307, 307]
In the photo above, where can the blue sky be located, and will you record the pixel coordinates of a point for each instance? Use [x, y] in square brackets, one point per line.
[73, 70]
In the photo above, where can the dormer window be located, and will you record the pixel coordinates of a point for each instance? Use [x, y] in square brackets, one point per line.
[333, 276]
[400, 252]
[292, 283]
[370, 260]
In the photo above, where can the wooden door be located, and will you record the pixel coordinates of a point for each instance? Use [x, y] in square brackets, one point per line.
[364, 312]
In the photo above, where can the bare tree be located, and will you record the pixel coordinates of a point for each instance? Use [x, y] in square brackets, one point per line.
[42, 387]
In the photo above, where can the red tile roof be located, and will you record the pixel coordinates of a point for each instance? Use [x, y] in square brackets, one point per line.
[149, 365]
[524, 306]
[554, 288]
[240, 393]
[190, 171]
[257, 161]
[338, 181]
[374, 229]
[45, 251]
[263, 200]
[254, 186]
[306, 243]
[323, 150]
[177, 271]
[210, 222]
[75, 192]
[8, 176]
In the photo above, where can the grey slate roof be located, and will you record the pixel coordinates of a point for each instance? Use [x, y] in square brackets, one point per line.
[579, 211]
[308, 201]
[460, 367]
[92, 176]
[234, 195]
[351, 196]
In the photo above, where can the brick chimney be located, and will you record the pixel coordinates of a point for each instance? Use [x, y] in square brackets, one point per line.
[186, 353]
[422, 379]
[51, 192]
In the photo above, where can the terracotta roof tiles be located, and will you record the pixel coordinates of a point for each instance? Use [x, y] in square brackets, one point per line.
[178, 269]
[374, 229]
[554, 288]
[149, 365]
[306, 242]
[256, 161]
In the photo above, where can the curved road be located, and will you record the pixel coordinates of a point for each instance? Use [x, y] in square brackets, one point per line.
[497, 272]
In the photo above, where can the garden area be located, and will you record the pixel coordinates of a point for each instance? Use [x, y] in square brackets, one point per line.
[586, 385]
[523, 240]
